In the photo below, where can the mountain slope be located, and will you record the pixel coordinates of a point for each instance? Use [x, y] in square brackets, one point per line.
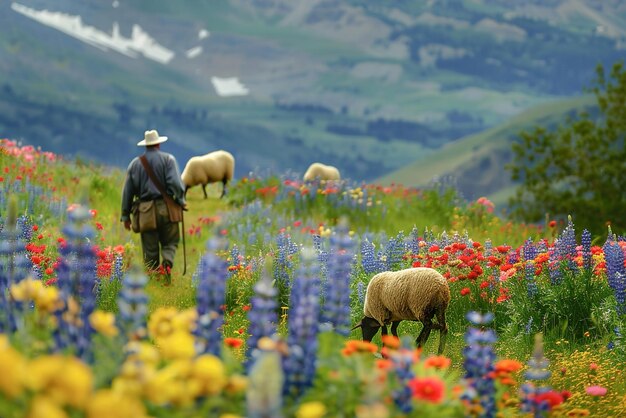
[477, 162]
[366, 86]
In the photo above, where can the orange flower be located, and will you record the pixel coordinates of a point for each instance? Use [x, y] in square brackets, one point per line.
[391, 341]
[438, 362]
[357, 346]
[508, 365]
[384, 364]
[233, 342]
[429, 389]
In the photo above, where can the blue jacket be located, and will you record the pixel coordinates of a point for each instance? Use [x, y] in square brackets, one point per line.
[139, 185]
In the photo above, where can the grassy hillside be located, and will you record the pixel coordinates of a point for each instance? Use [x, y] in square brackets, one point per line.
[477, 162]
[362, 86]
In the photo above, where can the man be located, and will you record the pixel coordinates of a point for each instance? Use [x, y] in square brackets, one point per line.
[139, 185]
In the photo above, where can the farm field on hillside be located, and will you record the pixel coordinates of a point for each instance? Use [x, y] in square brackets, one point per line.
[261, 323]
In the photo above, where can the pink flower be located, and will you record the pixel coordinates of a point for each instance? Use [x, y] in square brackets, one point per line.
[596, 390]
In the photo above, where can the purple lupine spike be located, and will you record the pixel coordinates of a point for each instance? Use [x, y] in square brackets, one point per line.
[133, 304]
[537, 371]
[479, 357]
[210, 296]
[14, 267]
[300, 365]
[262, 314]
[283, 264]
[413, 242]
[394, 251]
[619, 287]
[235, 258]
[403, 362]
[585, 241]
[529, 254]
[336, 309]
[369, 262]
[615, 271]
[80, 258]
[554, 265]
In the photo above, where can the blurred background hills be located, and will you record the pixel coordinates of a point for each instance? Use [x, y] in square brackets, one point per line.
[396, 91]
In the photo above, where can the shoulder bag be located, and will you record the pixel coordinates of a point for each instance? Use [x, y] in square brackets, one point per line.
[174, 209]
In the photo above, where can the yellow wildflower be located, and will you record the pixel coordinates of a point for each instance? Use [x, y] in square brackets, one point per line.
[210, 371]
[185, 320]
[65, 379]
[103, 322]
[313, 409]
[12, 369]
[109, 404]
[26, 290]
[160, 323]
[42, 406]
[236, 384]
[143, 352]
[165, 385]
[48, 300]
[179, 345]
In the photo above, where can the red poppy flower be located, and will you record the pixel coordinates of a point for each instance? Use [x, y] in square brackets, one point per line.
[430, 389]
[233, 342]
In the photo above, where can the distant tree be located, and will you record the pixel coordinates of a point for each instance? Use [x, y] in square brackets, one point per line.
[578, 169]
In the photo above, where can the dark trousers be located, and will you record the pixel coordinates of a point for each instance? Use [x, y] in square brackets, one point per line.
[164, 239]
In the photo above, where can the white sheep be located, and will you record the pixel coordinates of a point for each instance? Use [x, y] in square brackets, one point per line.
[414, 294]
[209, 168]
[321, 171]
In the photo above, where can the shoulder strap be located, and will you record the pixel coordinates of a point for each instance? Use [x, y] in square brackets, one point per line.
[148, 168]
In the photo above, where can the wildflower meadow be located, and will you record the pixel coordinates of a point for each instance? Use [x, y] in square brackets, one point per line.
[261, 323]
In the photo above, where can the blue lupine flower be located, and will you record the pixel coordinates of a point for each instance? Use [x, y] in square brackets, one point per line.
[370, 263]
[133, 304]
[585, 241]
[476, 318]
[283, 265]
[554, 267]
[14, 267]
[394, 252]
[615, 272]
[262, 314]
[210, 296]
[413, 242]
[300, 365]
[402, 360]
[235, 257]
[529, 255]
[479, 357]
[537, 370]
[79, 256]
[360, 292]
[336, 309]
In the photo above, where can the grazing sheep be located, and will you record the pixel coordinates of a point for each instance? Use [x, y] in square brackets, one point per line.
[324, 172]
[414, 294]
[209, 168]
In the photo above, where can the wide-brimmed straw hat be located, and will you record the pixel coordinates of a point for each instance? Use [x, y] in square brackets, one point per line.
[151, 138]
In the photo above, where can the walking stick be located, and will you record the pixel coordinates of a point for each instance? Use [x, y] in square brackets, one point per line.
[182, 223]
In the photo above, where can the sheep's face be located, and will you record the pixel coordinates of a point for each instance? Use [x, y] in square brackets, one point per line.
[369, 327]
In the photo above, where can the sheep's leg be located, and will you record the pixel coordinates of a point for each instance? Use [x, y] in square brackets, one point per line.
[224, 181]
[423, 337]
[394, 328]
[383, 330]
[443, 330]
[204, 190]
